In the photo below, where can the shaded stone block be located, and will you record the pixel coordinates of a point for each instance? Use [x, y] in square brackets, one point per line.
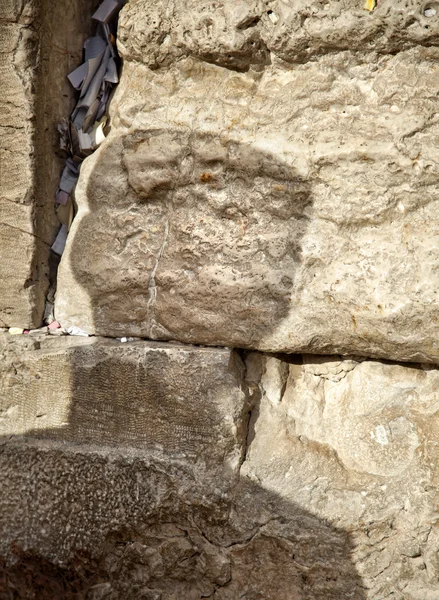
[265, 185]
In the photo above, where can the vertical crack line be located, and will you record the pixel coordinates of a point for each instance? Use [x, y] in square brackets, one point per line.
[152, 287]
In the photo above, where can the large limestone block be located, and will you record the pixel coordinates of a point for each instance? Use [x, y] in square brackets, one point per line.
[18, 243]
[122, 526]
[355, 442]
[244, 32]
[248, 201]
[40, 42]
[184, 401]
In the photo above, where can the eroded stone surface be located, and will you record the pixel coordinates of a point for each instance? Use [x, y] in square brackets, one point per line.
[260, 203]
[136, 527]
[100, 504]
[184, 401]
[270, 181]
[356, 443]
[243, 33]
[329, 490]
[17, 241]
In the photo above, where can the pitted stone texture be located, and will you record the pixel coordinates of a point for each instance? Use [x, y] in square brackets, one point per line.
[241, 33]
[184, 401]
[270, 205]
[336, 496]
[120, 475]
[355, 442]
[97, 525]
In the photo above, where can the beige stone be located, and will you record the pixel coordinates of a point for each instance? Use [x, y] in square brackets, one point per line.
[247, 201]
[40, 42]
[150, 478]
[170, 398]
[17, 241]
[120, 470]
[355, 442]
[126, 525]
[269, 182]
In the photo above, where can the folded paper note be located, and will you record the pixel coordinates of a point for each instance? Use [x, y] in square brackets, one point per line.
[106, 11]
[84, 132]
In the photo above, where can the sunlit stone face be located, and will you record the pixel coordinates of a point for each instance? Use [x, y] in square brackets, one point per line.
[266, 183]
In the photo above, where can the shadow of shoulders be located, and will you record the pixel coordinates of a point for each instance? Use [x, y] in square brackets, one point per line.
[139, 492]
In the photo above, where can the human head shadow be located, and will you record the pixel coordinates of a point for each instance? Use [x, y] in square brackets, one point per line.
[187, 236]
[166, 524]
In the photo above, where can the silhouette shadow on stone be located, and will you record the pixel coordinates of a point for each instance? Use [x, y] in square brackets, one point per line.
[185, 236]
[139, 494]
[135, 491]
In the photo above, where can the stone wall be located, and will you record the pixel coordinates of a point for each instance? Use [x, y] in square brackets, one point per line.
[41, 42]
[270, 189]
[18, 242]
[152, 470]
[262, 216]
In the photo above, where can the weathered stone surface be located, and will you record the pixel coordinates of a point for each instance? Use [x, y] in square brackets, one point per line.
[243, 33]
[40, 42]
[260, 203]
[270, 181]
[356, 443]
[328, 491]
[170, 398]
[99, 504]
[17, 242]
[128, 527]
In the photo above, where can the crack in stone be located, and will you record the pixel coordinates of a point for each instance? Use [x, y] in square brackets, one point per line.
[152, 287]
[341, 374]
[24, 231]
[254, 395]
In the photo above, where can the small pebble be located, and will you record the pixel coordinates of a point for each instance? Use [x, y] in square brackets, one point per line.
[15, 330]
[429, 12]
